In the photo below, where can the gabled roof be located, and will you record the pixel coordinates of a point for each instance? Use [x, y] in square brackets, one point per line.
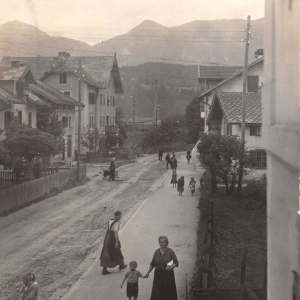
[216, 72]
[35, 99]
[53, 95]
[13, 73]
[231, 105]
[8, 97]
[234, 75]
[97, 69]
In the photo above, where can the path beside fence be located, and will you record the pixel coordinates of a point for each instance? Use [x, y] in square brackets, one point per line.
[18, 195]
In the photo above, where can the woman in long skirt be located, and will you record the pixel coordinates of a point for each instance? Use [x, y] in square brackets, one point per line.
[111, 255]
[164, 261]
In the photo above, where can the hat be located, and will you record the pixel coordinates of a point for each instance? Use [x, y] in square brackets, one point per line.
[118, 213]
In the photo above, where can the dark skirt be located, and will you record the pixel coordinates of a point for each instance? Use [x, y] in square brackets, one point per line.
[180, 188]
[164, 286]
[110, 256]
[132, 290]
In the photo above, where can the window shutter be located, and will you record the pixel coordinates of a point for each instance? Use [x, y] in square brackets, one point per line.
[252, 84]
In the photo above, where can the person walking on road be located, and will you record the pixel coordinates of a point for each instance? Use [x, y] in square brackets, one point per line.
[192, 185]
[175, 162]
[132, 277]
[112, 171]
[111, 254]
[188, 155]
[180, 185]
[174, 178]
[30, 288]
[164, 261]
[168, 160]
[160, 155]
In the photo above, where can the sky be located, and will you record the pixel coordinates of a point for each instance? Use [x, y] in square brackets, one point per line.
[92, 21]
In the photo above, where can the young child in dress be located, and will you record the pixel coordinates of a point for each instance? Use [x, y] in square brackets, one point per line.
[192, 185]
[132, 277]
[174, 178]
[30, 287]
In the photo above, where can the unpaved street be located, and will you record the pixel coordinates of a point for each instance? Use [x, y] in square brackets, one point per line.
[54, 238]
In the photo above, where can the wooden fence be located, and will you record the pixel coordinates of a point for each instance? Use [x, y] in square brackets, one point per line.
[6, 177]
[19, 195]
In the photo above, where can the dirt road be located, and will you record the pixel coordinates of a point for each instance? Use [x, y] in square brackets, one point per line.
[54, 238]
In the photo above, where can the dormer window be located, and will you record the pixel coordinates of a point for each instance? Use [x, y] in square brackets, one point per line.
[63, 78]
[92, 98]
[15, 63]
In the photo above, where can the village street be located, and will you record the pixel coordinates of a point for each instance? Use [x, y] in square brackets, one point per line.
[59, 238]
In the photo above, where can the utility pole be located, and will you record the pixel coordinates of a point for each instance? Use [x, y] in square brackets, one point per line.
[244, 106]
[133, 119]
[79, 121]
[156, 113]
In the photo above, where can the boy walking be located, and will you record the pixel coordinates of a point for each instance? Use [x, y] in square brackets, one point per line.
[132, 277]
[174, 178]
[30, 288]
[192, 185]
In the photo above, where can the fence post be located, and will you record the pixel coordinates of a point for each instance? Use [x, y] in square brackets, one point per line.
[243, 272]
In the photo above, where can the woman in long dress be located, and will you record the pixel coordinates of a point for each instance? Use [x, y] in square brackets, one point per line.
[164, 261]
[111, 255]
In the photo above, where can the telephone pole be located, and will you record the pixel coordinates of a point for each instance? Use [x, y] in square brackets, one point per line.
[156, 113]
[244, 106]
[133, 119]
[79, 122]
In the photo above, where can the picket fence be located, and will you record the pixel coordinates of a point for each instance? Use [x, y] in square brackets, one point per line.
[19, 195]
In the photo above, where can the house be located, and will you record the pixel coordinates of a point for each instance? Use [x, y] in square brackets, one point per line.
[210, 75]
[225, 116]
[141, 124]
[100, 78]
[63, 107]
[234, 83]
[15, 99]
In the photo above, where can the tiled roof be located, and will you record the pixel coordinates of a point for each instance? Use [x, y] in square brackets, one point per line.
[217, 72]
[97, 69]
[8, 97]
[47, 91]
[12, 73]
[231, 104]
[35, 99]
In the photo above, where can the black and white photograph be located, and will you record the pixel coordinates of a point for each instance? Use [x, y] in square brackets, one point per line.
[149, 150]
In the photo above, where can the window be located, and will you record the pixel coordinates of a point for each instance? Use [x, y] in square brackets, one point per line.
[107, 120]
[70, 121]
[107, 100]
[100, 99]
[229, 129]
[255, 131]
[69, 145]
[67, 93]
[259, 159]
[92, 98]
[91, 121]
[65, 121]
[30, 119]
[15, 63]
[8, 117]
[20, 117]
[113, 101]
[63, 78]
[252, 84]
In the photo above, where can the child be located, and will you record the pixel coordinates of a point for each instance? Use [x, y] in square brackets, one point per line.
[132, 278]
[174, 178]
[30, 287]
[192, 185]
[180, 185]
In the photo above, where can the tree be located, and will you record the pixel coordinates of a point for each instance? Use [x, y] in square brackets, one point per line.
[5, 158]
[221, 154]
[112, 140]
[91, 138]
[194, 123]
[121, 124]
[29, 142]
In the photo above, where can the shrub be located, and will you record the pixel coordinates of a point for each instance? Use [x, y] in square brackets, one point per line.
[257, 188]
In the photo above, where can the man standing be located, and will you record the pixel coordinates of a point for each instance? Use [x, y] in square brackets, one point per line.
[160, 155]
[112, 171]
[168, 160]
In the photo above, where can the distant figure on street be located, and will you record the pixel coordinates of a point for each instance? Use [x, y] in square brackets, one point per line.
[164, 261]
[112, 171]
[132, 277]
[168, 160]
[174, 178]
[173, 154]
[30, 289]
[192, 185]
[180, 185]
[188, 155]
[175, 162]
[160, 155]
[111, 255]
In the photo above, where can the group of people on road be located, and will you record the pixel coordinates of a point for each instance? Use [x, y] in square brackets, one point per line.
[164, 261]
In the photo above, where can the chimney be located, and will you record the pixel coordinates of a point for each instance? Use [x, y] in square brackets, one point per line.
[62, 57]
[15, 63]
[259, 53]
